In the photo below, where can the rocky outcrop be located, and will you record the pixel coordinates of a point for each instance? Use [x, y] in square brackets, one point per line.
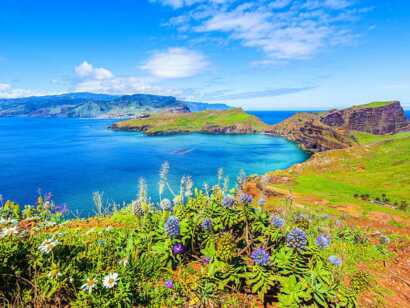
[311, 134]
[375, 118]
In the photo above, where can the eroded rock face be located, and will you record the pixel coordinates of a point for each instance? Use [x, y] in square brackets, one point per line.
[312, 135]
[386, 119]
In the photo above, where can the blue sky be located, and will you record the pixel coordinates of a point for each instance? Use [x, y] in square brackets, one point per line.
[283, 54]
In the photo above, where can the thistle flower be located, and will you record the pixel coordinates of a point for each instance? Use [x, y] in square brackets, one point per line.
[228, 201]
[166, 205]
[48, 245]
[245, 198]
[169, 284]
[172, 226]
[335, 260]
[323, 241]
[62, 209]
[296, 238]
[278, 222]
[10, 231]
[137, 208]
[89, 284]
[206, 224]
[260, 256]
[110, 280]
[178, 248]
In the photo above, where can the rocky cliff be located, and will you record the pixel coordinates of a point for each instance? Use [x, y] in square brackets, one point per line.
[377, 118]
[311, 134]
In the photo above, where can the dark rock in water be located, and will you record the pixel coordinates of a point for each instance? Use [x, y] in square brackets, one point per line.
[379, 119]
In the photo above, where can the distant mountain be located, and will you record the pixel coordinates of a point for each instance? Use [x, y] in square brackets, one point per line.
[91, 105]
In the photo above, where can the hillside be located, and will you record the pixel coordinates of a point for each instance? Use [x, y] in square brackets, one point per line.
[90, 105]
[232, 121]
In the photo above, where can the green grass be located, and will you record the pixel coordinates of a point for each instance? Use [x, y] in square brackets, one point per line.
[373, 105]
[195, 122]
[373, 169]
[366, 138]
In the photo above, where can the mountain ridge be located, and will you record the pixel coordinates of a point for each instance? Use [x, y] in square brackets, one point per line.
[95, 105]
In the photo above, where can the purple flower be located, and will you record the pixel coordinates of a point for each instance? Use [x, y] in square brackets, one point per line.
[245, 198]
[60, 209]
[335, 260]
[228, 201]
[262, 201]
[205, 260]
[178, 248]
[172, 226]
[206, 224]
[384, 240]
[278, 222]
[260, 256]
[296, 238]
[49, 196]
[323, 241]
[169, 284]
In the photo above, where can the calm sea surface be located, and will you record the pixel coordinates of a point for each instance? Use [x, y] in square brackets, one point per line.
[74, 157]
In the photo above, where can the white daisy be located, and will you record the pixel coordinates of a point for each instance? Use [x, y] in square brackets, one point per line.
[48, 245]
[110, 280]
[10, 231]
[89, 284]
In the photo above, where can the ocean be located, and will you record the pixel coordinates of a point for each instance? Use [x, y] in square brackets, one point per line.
[72, 158]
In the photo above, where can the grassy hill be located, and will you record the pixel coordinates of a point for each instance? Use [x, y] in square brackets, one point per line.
[227, 121]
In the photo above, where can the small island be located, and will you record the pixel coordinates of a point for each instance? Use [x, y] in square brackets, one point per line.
[231, 121]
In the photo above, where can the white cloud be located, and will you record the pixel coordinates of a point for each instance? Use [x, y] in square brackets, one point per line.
[282, 29]
[4, 86]
[175, 63]
[87, 70]
[8, 91]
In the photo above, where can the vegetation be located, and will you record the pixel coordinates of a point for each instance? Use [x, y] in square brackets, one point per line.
[233, 120]
[373, 105]
[377, 167]
[208, 247]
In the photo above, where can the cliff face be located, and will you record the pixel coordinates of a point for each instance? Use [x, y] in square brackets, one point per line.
[376, 118]
[312, 135]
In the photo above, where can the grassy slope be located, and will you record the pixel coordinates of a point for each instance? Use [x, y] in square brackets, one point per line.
[373, 105]
[195, 122]
[376, 168]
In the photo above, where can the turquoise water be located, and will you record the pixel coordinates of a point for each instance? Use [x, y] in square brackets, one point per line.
[73, 158]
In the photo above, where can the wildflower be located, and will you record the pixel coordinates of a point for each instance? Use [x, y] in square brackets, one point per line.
[278, 221]
[110, 280]
[172, 226]
[335, 260]
[10, 231]
[296, 238]
[166, 205]
[205, 260]
[62, 209]
[178, 248]
[323, 241]
[124, 261]
[137, 208]
[177, 199]
[245, 198]
[89, 284]
[48, 245]
[260, 256]
[169, 284]
[206, 224]
[384, 240]
[262, 201]
[227, 201]
[54, 274]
